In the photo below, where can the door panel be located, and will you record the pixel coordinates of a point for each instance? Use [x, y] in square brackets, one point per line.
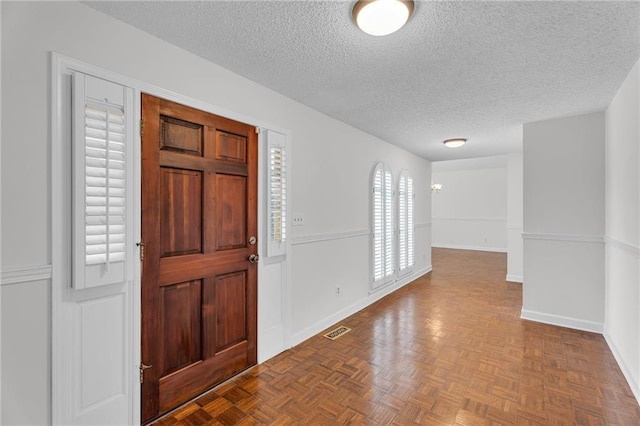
[181, 211]
[232, 194]
[199, 207]
[213, 370]
[231, 147]
[230, 289]
[180, 314]
[181, 136]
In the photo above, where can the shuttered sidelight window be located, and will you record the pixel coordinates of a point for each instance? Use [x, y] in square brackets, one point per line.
[383, 268]
[406, 248]
[102, 193]
[105, 184]
[277, 193]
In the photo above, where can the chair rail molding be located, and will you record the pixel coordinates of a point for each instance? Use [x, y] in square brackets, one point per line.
[316, 238]
[621, 245]
[25, 274]
[473, 219]
[308, 239]
[423, 225]
[578, 238]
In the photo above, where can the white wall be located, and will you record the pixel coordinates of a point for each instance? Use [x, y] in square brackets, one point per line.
[330, 163]
[470, 212]
[332, 248]
[564, 221]
[25, 353]
[514, 218]
[622, 302]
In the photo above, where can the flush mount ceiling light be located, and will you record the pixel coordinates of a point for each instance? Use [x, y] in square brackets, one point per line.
[454, 143]
[382, 17]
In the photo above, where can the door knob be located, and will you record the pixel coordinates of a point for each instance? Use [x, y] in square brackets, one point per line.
[254, 258]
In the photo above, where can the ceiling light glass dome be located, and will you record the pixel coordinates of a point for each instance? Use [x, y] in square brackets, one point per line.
[382, 17]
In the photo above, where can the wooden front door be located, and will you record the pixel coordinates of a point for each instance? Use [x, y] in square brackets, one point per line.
[199, 214]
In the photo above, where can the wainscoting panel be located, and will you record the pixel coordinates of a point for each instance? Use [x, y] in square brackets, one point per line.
[564, 281]
[622, 321]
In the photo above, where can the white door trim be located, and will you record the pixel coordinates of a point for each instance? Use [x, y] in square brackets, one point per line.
[61, 238]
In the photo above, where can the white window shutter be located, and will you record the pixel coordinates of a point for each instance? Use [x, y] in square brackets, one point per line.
[378, 225]
[410, 226]
[277, 193]
[406, 250]
[382, 218]
[102, 182]
[389, 225]
[402, 222]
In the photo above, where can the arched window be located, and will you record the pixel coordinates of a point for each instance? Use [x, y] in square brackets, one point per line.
[382, 221]
[406, 236]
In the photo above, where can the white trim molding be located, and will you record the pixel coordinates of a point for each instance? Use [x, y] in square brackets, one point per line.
[25, 274]
[626, 371]
[423, 225]
[327, 322]
[473, 219]
[563, 237]
[515, 278]
[62, 373]
[308, 239]
[474, 248]
[629, 248]
[562, 321]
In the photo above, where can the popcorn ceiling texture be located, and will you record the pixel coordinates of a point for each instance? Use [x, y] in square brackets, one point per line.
[458, 69]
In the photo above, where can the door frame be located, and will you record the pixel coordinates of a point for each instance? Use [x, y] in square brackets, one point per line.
[61, 257]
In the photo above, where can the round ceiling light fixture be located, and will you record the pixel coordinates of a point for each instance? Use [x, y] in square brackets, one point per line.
[454, 143]
[382, 17]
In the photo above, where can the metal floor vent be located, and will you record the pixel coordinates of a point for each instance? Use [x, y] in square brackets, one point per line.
[333, 335]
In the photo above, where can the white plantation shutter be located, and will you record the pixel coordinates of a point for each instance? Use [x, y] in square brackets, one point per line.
[378, 225]
[104, 184]
[382, 223]
[389, 224]
[411, 249]
[406, 253]
[402, 223]
[102, 151]
[277, 193]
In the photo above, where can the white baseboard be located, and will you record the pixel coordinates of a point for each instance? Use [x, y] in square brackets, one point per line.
[475, 248]
[515, 278]
[635, 387]
[578, 324]
[325, 323]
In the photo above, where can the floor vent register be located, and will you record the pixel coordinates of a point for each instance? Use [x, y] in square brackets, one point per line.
[340, 331]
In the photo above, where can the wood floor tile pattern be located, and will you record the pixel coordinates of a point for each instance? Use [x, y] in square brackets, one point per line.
[447, 349]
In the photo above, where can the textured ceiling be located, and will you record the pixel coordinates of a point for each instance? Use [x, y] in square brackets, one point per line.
[458, 69]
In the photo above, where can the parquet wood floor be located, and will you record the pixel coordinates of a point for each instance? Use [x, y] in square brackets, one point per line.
[447, 349]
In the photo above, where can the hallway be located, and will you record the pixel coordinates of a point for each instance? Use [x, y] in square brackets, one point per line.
[447, 349]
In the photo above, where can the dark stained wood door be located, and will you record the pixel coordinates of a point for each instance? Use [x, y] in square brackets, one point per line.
[199, 210]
